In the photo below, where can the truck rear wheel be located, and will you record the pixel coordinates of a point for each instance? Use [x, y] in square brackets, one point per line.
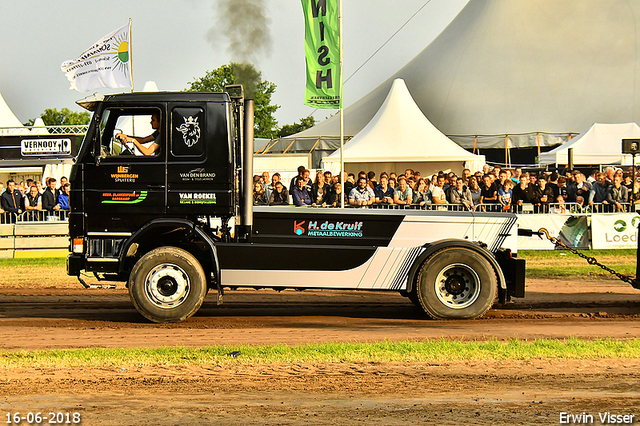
[456, 282]
[168, 284]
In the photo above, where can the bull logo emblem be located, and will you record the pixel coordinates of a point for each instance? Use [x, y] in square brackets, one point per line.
[190, 131]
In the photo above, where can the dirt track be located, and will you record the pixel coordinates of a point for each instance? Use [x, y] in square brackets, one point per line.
[499, 392]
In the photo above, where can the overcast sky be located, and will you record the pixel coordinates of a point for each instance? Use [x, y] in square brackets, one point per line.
[176, 41]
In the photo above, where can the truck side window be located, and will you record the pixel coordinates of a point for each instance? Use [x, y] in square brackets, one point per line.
[187, 125]
[119, 127]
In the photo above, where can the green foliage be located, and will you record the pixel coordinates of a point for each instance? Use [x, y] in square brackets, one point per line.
[64, 117]
[296, 127]
[266, 126]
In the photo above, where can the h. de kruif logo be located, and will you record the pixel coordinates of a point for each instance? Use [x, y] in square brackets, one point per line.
[329, 229]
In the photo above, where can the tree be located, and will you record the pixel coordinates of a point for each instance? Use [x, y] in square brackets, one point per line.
[290, 129]
[64, 117]
[265, 126]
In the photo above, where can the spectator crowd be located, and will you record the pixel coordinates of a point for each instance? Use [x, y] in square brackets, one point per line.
[492, 189]
[30, 198]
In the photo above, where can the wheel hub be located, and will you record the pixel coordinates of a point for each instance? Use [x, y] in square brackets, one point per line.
[167, 285]
[457, 286]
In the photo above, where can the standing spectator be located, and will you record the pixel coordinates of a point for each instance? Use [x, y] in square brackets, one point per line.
[371, 177]
[437, 193]
[63, 182]
[50, 196]
[259, 195]
[544, 195]
[422, 195]
[618, 194]
[349, 184]
[63, 198]
[461, 194]
[294, 180]
[505, 194]
[279, 196]
[265, 178]
[361, 195]
[516, 175]
[269, 188]
[522, 193]
[475, 191]
[320, 191]
[489, 193]
[466, 174]
[336, 195]
[11, 199]
[592, 177]
[1, 188]
[599, 188]
[383, 192]
[562, 188]
[579, 188]
[300, 194]
[502, 178]
[403, 194]
[40, 188]
[327, 178]
[33, 202]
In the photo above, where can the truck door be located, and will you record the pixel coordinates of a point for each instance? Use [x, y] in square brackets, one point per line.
[123, 186]
[199, 161]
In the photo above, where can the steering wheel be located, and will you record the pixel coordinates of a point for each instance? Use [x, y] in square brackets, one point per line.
[126, 150]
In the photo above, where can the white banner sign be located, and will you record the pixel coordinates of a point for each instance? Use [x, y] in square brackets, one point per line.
[614, 231]
[45, 146]
[105, 64]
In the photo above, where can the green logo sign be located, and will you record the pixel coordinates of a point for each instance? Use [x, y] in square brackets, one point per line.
[620, 225]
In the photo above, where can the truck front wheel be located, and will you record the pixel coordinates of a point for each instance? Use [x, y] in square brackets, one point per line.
[456, 282]
[167, 284]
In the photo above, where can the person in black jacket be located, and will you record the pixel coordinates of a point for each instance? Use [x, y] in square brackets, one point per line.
[50, 195]
[11, 199]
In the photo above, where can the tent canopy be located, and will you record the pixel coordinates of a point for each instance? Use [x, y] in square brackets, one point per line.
[400, 133]
[520, 68]
[600, 144]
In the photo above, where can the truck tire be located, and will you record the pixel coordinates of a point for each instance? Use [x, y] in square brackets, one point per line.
[167, 284]
[456, 283]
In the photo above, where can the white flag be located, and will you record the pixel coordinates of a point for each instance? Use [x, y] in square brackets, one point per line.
[105, 64]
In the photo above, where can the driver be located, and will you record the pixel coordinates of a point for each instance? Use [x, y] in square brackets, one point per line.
[155, 137]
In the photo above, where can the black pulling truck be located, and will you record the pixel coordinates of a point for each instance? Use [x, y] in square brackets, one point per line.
[181, 221]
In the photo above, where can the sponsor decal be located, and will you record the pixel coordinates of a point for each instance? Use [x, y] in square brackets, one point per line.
[329, 229]
[122, 175]
[133, 197]
[197, 198]
[45, 146]
[190, 131]
[197, 175]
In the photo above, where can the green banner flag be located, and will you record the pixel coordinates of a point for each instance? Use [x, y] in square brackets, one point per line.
[322, 51]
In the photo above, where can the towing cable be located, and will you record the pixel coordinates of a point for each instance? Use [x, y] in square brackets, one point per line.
[590, 259]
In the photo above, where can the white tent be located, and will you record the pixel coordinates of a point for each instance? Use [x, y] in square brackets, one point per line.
[399, 136]
[9, 123]
[601, 144]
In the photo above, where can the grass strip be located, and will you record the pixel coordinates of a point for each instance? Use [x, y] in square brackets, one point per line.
[387, 351]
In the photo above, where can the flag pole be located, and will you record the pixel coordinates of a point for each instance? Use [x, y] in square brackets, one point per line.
[130, 52]
[342, 178]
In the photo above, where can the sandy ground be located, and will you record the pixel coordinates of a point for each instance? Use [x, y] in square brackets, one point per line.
[446, 393]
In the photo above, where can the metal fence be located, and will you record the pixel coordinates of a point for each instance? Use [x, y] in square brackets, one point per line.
[35, 216]
[526, 208]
